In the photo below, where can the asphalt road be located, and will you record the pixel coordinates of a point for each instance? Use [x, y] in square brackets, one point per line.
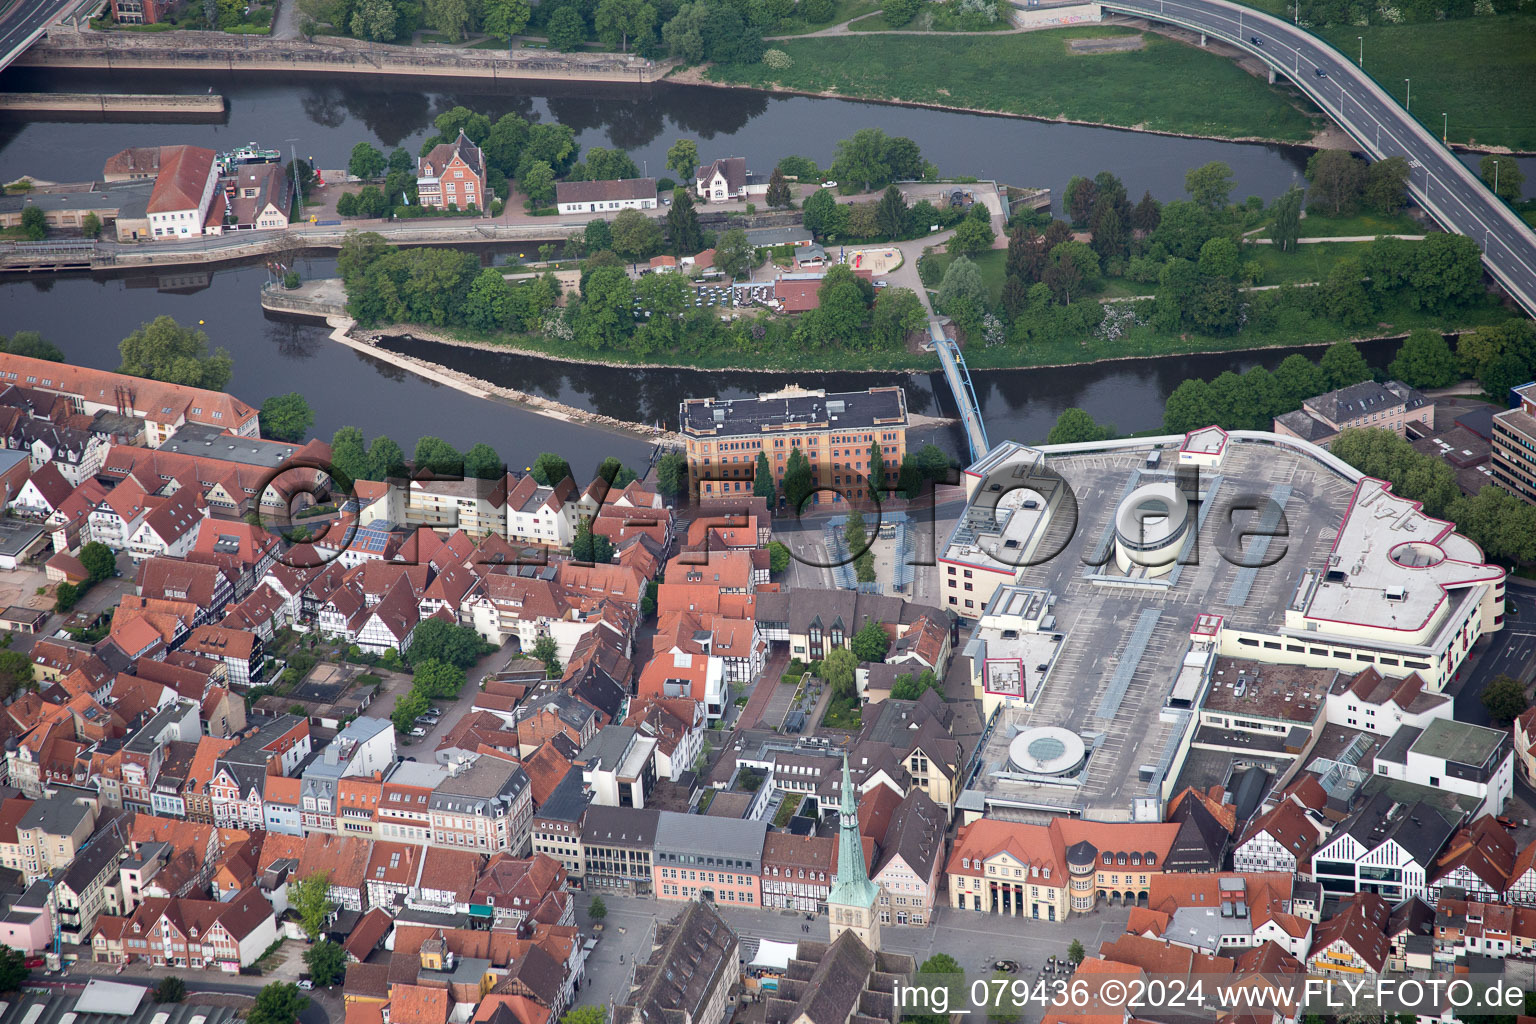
[1440, 182]
[24, 22]
[1511, 651]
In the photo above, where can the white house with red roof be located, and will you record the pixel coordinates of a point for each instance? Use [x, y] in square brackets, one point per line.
[184, 192]
[170, 529]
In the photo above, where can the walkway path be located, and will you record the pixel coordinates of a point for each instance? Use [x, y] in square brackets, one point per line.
[1339, 238]
[842, 29]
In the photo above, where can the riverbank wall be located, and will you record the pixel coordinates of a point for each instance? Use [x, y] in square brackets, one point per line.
[110, 103]
[42, 257]
[324, 300]
[215, 51]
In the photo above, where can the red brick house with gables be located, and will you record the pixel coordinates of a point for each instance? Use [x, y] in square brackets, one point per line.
[452, 174]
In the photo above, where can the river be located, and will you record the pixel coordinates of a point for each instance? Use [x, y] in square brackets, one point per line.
[87, 315]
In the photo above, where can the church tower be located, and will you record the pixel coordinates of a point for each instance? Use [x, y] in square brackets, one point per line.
[854, 903]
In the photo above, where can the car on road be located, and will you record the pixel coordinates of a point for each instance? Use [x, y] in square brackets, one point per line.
[1507, 822]
[1006, 966]
[1322, 73]
[305, 985]
[1256, 41]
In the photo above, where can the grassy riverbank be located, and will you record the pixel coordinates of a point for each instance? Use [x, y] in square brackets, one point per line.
[1480, 71]
[1037, 74]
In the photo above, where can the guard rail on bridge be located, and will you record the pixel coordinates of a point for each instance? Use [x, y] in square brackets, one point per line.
[959, 378]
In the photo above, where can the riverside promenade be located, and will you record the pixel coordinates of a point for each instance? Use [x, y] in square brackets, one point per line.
[186, 50]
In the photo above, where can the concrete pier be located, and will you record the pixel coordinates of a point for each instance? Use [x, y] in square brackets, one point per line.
[110, 104]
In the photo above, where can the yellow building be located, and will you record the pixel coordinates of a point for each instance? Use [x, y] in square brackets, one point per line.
[835, 433]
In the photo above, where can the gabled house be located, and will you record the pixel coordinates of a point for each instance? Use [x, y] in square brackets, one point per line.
[1353, 942]
[452, 176]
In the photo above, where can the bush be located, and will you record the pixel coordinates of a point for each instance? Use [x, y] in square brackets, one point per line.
[291, 280]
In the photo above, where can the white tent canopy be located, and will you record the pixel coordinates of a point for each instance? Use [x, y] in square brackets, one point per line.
[774, 955]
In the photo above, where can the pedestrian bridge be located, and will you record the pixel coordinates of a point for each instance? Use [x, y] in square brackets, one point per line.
[959, 378]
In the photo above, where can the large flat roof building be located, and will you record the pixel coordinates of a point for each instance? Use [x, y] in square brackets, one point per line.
[833, 431]
[1514, 444]
[1320, 572]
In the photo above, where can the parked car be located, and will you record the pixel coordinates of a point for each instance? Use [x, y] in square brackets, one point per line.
[305, 985]
[34, 961]
[1507, 822]
[418, 732]
[829, 184]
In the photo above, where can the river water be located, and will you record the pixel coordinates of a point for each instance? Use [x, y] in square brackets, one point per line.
[88, 314]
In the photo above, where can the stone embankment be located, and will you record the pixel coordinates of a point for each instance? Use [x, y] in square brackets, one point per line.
[324, 299]
[218, 51]
[109, 103]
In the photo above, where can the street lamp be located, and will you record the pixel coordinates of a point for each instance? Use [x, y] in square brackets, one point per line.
[1408, 98]
[1362, 51]
[1445, 128]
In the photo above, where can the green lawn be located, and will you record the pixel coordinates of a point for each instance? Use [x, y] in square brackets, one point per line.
[845, 10]
[1371, 224]
[1481, 71]
[1304, 263]
[1035, 73]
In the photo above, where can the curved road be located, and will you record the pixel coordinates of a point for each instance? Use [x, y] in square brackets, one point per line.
[1440, 182]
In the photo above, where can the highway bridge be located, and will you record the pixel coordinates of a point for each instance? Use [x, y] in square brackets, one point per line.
[1440, 182]
[25, 21]
[959, 378]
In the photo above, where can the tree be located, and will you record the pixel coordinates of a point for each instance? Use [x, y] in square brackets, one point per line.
[762, 477]
[1219, 258]
[1447, 271]
[374, 20]
[489, 305]
[436, 640]
[450, 17]
[1501, 374]
[286, 418]
[683, 224]
[34, 223]
[546, 650]
[1503, 171]
[891, 214]
[597, 236]
[871, 642]
[861, 159]
[99, 561]
[1386, 185]
[169, 989]
[1425, 361]
[962, 281]
[1183, 229]
[876, 468]
[365, 162]
[778, 558]
[1074, 425]
[900, 12]
[1286, 225]
[1210, 185]
[819, 213]
[587, 546]
[409, 707]
[310, 898]
[734, 255]
[1343, 365]
[898, 311]
[971, 237]
[1109, 235]
[672, 474]
[617, 20]
[277, 1003]
[565, 28]
[778, 191]
[1080, 196]
[16, 673]
[549, 469]
[386, 459]
[1344, 296]
[327, 962]
[1075, 951]
[13, 969]
[90, 225]
[798, 484]
[1338, 180]
[1147, 214]
[33, 346]
[942, 964]
[840, 669]
[598, 910]
[505, 19]
[349, 455]
[538, 178]
[1504, 697]
[683, 159]
[616, 473]
[436, 680]
[164, 350]
[914, 686]
[635, 236]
